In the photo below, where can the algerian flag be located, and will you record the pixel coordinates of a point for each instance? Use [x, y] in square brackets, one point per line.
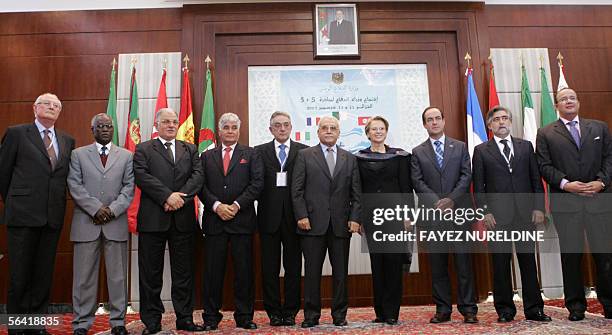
[547, 108]
[530, 127]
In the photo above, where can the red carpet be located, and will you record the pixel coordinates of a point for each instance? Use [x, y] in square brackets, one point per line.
[413, 320]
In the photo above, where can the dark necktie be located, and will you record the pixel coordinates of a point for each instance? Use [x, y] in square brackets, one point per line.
[507, 153]
[49, 146]
[103, 156]
[169, 151]
[226, 159]
[574, 132]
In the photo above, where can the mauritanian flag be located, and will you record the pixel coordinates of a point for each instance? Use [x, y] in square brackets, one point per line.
[186, 130]
[132, 138]
[111, 107]
[162, 102]
[530, 127]
[206, 136]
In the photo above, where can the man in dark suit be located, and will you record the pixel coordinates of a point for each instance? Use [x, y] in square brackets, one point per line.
[34, 164]
[233, 179]
[277, 224]
[575, 158]
[341, 31]
[169, 174]
[440, 171]
[507, 184]
[326, 191]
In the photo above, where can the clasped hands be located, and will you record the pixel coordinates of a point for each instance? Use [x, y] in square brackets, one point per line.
[227, 212]
[175, 201]
[353, 227]
[103, 216]
[584, 189]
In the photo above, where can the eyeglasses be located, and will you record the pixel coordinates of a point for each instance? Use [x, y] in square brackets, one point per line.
[329, 128]
[49, 104]
[279, 125]
[169, 122]
[104, 126]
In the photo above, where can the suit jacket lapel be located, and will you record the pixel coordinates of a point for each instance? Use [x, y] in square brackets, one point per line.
[340, 161]
[179, 150]
[270, 152]
[449, 148]
[585, 131]
[292, 153]
[494, 151]
[321, 161]
[112, 157]
[161, 149]
[562, 129]
[216, 156]
[521, 150]
[430, 153]
[36, 139]
[94, 155]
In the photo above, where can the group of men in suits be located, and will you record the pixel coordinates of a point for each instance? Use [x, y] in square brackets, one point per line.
[309, 204]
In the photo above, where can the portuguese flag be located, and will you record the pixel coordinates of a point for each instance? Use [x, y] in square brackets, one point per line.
[132, 138]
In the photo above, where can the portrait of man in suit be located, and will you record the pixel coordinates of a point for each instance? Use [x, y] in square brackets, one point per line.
[441, 175]
[277, 224]
[34, 164]
[101, 182]
[575, 158]
[507, 184]
[326, 191]
[169, 174]
[341, 30]
[233, 180]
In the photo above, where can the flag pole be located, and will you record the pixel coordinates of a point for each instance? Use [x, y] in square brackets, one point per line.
[468, 58]
[560, 58]
[186, 61]
[207, 60]
[537, 243]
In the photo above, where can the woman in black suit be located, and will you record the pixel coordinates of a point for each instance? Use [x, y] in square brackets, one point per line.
[385, 170]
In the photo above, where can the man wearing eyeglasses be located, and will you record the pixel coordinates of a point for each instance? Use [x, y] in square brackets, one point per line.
[575, 159]
[326, 193]
[101, 182]
[34, 163]
[277, 224]
[169, 174]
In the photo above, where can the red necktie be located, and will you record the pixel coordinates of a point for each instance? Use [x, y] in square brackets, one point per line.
[103, 156]
[226, 160]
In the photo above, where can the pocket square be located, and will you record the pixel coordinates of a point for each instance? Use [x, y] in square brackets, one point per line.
[596, 138]
[243, 161]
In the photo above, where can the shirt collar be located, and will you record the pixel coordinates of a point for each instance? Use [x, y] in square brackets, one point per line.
[233, 146]
[441, 139]
[565, 121]
[277, 143]
[324, 147]
[173, 141]
[108, 147]
[498, 139]
[41, 127]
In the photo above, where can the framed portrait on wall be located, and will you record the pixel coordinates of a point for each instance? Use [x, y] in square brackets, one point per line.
[336, 30]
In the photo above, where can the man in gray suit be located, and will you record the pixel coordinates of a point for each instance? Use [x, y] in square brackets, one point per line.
[441, 176]
[326, 191]
[101, 182]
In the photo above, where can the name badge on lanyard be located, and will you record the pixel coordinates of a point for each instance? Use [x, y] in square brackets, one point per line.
[281, 179]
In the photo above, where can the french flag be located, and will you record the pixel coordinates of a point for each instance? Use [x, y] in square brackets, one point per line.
[476, 131]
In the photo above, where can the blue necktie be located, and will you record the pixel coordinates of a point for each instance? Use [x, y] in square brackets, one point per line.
[439, 153]
[574, 132]
[282, 155]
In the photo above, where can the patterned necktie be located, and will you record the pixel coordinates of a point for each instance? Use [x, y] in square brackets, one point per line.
[169, 151]
[50, 150]
[331, 163]
[574, 132]
[103, 156]
[226, 159]
[282, 155]
[507, 153]
[439, 153]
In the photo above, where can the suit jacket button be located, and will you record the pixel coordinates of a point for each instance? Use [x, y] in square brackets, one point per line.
[224, 186]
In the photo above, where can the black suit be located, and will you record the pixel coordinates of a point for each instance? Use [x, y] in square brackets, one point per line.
[329, 202]
[511, 196]
[432, 183]
[386, 173]
[342, 33]
[242, 184]
[158, 177]
[34, 198]
[277, 225]
[559, 158]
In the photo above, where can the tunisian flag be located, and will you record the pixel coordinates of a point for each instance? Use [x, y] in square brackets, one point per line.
[162, 102]
[132, 138]
[493, 98]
